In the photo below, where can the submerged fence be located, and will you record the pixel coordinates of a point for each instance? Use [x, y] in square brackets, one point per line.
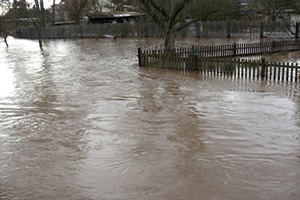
[216, 61]
[250, 69]
[232, 67]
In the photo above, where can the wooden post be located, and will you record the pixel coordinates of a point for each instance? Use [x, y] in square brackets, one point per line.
[140, 56]
[263, 69]
[193, 50]
[196, 62]
[287, 66]
[297, 30]
[234, 49]
[292, 72]
[261, 30]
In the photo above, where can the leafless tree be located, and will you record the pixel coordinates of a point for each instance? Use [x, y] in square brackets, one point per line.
[170, 15]
[39, 20]
[76, 8]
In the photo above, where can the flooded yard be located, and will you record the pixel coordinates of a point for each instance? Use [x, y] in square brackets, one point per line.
[81, 120]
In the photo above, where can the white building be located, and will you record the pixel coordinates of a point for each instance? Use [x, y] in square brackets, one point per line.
[104, 6]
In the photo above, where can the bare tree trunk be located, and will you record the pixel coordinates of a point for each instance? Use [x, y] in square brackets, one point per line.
[169, 41]
[53, 12]
[4, 29]
[40, 37]
[5, 40]
[38, 24]
[42, 13]
[169, 17]
[37, 4]
[38, 29]
[77, 19]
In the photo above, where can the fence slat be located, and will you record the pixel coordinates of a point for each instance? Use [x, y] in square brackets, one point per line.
[296, 73]
[292, 72]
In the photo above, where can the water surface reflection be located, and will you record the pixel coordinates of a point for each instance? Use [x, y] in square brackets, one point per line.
[81, 120]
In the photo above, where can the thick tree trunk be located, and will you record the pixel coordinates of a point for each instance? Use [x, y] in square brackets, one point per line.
[169, 41]
[169, 15]
[77, 19]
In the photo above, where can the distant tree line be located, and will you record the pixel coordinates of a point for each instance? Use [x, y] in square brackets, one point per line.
[170, 15]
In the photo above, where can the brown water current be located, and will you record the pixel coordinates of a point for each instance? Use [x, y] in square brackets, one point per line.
[81, 121]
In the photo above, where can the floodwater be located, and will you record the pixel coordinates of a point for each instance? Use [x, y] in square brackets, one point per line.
[82, 121]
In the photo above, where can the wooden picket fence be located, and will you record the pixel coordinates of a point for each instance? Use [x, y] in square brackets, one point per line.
[229, 50]
[232, 67]
[250, 69]
[245, 49]
[219, 60]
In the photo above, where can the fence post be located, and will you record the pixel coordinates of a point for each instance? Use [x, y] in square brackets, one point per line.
[234, 49]
[140, 56]
[297, 30]
[263, 69]
[195, 63]
[261, 30]
[191, 58]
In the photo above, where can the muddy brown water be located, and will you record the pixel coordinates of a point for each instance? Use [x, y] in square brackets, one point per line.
[81, 120]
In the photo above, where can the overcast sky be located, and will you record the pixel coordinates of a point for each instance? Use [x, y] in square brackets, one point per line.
[47, 3]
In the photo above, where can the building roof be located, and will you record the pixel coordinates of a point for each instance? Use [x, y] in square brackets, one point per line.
[111, 17]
